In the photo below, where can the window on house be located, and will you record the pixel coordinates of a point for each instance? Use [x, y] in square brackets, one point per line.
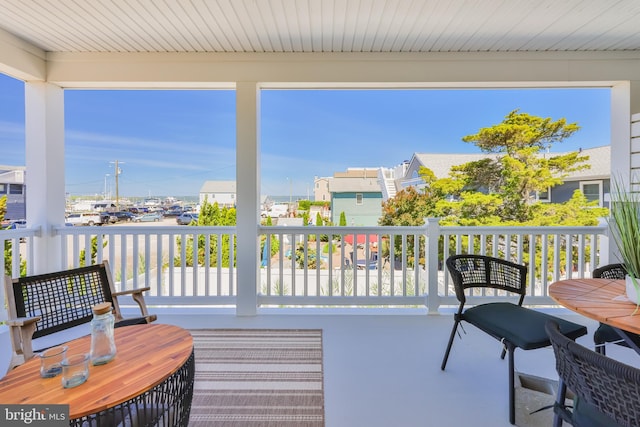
[544, 196]
[3, 188]
[358, 198]
[592, 190]
[15, 189]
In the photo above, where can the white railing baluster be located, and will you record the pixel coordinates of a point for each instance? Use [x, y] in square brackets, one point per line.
[581, 251]
[544, 257]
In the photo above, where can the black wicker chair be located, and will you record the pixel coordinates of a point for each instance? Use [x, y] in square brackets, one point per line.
[607, 392]
[52, 308]
[605, 333]
[510, 323]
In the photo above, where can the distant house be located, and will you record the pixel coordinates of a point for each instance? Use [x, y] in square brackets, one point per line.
[593, 182]
[12, 185]
[359, 198]
[321, 189]
[440, 165]
[221, 192]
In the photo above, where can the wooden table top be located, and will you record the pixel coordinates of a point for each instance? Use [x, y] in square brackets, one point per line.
[146, 356]
[603, 300]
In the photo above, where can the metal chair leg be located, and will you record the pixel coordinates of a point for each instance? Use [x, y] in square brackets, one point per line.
[560, 399]
[446, 354]
[512, 391]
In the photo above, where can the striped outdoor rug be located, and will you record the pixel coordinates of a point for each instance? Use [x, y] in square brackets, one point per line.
[258, 377]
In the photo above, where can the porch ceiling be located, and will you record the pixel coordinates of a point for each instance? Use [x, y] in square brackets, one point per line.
[324, 25]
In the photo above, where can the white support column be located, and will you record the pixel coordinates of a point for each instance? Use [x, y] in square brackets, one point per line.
[248, 196]
[45, 198]
[621, 132]
[620, 145]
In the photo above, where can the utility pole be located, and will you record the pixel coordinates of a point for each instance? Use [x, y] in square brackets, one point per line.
[117, 171]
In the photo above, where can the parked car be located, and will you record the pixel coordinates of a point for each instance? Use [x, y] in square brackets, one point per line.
[186, 218]
[148, 217]
[12, 224]
[108, 218]
[174, 212]
[84, 219]
[138, 210]
[124, 216]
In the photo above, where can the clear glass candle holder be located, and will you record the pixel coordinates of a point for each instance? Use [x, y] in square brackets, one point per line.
[75, 370]
[51, 361]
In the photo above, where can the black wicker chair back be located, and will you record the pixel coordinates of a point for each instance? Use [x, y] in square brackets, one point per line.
[607, 392]
[477, 271]
[62, 299]
[508, 322]
[610, 271]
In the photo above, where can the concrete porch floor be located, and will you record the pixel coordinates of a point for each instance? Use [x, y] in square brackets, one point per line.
[383, 370]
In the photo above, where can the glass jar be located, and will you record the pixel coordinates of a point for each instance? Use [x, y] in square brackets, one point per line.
[103, 344]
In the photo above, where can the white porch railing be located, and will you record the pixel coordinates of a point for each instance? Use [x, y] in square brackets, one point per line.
[318, 266]
[165, 258]
[395, 278]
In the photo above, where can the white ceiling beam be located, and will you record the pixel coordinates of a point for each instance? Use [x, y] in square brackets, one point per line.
[184, 70]
[20, 59]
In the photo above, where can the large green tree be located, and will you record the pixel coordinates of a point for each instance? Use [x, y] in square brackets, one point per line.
[520, 167]
[500, 189]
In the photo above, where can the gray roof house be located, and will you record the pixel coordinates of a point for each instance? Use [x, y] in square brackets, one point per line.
[440, 164]
[221, 192]
[12, 185]
[359, 198]
[593, 182]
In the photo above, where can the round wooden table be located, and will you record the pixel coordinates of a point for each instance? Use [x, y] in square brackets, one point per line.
[603, 300]
[151, 377]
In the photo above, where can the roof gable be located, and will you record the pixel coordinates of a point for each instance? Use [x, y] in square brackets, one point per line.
[354, 185]
[441, 164]
[218, 187]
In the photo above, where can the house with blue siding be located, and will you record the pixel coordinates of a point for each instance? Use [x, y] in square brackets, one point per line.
[594, 182]
[360, 198]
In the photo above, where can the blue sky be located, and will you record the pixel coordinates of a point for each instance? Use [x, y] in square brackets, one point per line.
[170, 142]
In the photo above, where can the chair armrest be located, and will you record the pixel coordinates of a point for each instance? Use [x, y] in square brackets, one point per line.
[138, 297]
[22, 321]
[21, 330]
[131, 291]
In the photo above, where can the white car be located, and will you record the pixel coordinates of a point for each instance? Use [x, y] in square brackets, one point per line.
[84, 219]
[277, 211]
